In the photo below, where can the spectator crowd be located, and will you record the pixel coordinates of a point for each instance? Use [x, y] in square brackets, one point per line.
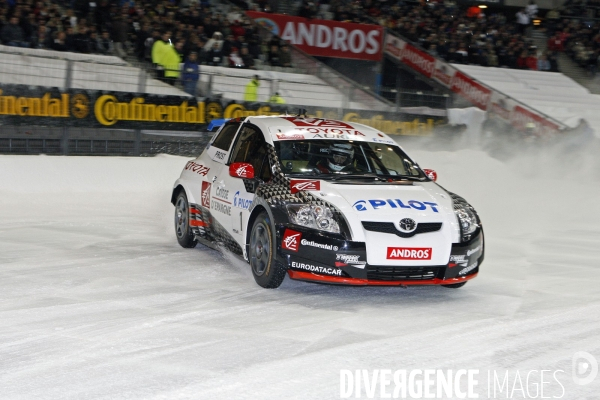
[192, 32]
[464, 35]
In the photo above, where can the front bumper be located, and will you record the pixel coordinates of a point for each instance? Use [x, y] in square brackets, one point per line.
[328, 258]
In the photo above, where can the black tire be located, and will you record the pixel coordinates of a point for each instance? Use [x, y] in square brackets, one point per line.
[183, 231]
[455, 285]
[261, 252]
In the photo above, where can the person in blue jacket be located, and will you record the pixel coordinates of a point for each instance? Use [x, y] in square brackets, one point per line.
[190, 74]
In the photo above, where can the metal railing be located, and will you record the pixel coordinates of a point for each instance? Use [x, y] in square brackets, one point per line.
[41, 70]
[89, 141]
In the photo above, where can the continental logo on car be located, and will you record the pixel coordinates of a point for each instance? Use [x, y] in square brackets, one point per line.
[45, 106]
[108, 111]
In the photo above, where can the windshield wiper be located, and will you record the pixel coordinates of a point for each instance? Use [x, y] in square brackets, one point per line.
[307, 174]
[407, 177]
[355, 176]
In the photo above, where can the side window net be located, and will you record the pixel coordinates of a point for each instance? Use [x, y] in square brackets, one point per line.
[250, 147]
[225, 137]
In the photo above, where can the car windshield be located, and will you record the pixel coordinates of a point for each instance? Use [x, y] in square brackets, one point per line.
[344, 158]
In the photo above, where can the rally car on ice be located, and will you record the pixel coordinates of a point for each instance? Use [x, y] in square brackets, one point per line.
[325, 201]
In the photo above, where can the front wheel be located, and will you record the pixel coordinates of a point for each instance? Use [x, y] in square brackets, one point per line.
[184, 234]
[267, 272]
[455, 285]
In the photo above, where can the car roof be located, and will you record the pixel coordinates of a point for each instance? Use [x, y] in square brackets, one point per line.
[293, 127]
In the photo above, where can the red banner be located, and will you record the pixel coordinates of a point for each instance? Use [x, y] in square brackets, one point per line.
[325, 38]
[418, 60]
[477, 94]
[410, 55]
[521, 117]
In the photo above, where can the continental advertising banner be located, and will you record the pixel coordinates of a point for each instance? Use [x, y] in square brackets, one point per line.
[30, 105]
[21, 104]
[325, 38]
[480, 95]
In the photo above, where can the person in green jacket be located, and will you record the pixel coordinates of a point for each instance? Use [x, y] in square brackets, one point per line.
[251, 93]
[277, 99]
[170, 62]
[158, 49]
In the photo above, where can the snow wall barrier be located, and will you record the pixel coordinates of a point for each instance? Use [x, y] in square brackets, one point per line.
[497, 104]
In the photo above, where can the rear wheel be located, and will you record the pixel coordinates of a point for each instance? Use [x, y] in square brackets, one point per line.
[267, 272]
[184, 234]
[455, 285]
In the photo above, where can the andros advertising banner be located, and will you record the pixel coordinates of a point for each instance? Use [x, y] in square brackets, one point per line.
[325, 38]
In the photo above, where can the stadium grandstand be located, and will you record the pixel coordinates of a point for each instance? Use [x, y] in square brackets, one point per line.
[219, 53]
[458, 34]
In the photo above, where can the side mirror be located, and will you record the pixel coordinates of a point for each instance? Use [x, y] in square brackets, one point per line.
[241, 170]
[431, 174]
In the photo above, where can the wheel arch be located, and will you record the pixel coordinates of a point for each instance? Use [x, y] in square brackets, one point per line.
[259, 205]
[178, 188]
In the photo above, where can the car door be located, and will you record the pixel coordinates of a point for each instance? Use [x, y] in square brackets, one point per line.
[250, 147]
[215, 195]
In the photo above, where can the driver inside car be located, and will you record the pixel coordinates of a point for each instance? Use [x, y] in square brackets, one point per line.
[339, 159]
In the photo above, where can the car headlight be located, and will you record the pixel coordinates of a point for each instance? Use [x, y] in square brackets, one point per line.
[316, 217]
[467, 219]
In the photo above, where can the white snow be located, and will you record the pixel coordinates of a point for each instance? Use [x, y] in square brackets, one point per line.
[98, 301]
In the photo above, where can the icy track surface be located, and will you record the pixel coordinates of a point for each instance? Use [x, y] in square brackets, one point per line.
[98, 301]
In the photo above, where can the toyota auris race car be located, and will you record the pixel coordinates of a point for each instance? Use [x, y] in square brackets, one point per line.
[325, 201]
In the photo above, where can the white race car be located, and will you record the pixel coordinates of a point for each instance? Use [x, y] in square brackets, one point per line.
[325, 201]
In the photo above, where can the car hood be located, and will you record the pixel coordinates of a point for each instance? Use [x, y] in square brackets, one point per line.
[420, 201]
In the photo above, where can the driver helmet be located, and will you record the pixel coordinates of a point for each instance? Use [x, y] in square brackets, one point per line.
[340, 156]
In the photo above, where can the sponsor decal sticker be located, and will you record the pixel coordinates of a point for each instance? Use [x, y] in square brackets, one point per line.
[221, 196]
[220, 207]
[375, 204]
[409, 253]
[197, 168]
[473, 251]
[298, 185]
[318, 123]
[222, 193]
[468, 269]
[290, 136]
[385, 141]
[241, 171]
[332, 133]
[205, 196]
[317, 269]
[343, 260]
[305, 242]
[219, 155]
[291, 240]
[241, 202]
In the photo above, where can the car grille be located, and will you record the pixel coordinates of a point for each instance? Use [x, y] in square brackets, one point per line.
[391, 273]
[389, 227]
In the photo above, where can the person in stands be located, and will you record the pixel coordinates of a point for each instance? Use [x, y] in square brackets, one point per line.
[12, 34]
[277, 99]
[191, 74]
[251, 93]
